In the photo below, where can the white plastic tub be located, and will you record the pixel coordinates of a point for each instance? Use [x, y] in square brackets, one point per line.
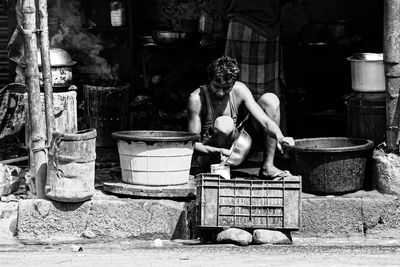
[155, 158]
[367, 72]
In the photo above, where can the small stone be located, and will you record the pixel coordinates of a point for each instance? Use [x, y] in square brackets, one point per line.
[8, 198]
[43, 207]
[88, 234]
[29, 195]
[158, 242]
[76, 248]
[234, 236]
[261, 236]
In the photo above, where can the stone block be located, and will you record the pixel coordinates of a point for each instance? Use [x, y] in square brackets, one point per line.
[49, 221]
[363, 213]
[8, 223]
[331, 217]
[386, 172]
[107, 217]
[138, 218]
[380, 214]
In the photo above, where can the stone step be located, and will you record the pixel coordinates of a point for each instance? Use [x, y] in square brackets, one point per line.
[108, 217]
[361, 214]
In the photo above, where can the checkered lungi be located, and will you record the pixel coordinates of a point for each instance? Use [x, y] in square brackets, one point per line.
[259, 58]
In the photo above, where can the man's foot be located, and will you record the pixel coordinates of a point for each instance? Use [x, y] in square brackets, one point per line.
[277, 175]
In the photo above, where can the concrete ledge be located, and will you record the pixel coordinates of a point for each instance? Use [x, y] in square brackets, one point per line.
[43, 221]
[358, 214]
[362, 214]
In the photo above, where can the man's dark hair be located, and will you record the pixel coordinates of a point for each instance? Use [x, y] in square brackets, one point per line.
[223, 70]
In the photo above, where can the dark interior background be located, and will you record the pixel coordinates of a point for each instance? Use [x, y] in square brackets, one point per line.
[316, 70]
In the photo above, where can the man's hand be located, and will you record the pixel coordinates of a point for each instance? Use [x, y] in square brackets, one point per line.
[225, 153]
[284, 141]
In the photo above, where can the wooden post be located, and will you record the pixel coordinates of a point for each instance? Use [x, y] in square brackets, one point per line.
[46, 69]
[391, 59]
[38, 146]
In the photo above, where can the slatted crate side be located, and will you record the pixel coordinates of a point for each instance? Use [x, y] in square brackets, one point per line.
[207, 206]
[292, 206]
[248, 203]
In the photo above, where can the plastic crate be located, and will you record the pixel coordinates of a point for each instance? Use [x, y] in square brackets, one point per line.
[245, 203]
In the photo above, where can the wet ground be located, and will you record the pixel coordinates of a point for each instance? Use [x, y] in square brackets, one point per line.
[187, 253]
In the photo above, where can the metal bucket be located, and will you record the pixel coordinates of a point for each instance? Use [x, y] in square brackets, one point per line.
[71, 166]
[367, 72]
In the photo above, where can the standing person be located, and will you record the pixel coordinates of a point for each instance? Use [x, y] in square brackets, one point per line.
[213, 112]
[253, 39]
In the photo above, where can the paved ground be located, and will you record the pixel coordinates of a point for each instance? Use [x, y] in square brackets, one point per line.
[310, 252]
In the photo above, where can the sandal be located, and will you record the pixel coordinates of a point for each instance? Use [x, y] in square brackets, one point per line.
[280, 175]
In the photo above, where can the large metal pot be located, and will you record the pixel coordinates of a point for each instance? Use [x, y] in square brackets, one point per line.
[61, 67]
[367, 72]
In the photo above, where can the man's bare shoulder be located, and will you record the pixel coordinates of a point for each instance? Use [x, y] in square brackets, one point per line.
[195, 96]
[194, 101]
[241, 90]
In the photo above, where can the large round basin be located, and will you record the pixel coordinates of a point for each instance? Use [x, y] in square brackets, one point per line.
[155, 158]
[330, 165]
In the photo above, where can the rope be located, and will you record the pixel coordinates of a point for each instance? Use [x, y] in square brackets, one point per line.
[44, 148]
[28, 32]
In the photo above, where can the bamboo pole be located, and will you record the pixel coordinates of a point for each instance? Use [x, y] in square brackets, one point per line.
[38, 146]
[46, 69]
[391, 59]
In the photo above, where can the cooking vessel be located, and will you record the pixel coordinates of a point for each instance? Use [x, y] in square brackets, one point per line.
[367, 72]
[176, 38]
[240, 149]
[61, 67]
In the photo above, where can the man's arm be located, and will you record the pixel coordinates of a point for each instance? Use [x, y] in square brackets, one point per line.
[268, 125]
[194, 125]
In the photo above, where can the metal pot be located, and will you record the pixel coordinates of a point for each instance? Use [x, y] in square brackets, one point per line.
[240, 149]
[367, 72]
[61, 67]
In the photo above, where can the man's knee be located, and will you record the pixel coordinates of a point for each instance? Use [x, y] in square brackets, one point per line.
[224, 125]
[269, 101]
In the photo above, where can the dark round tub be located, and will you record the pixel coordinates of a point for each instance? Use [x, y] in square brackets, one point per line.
[330, 165]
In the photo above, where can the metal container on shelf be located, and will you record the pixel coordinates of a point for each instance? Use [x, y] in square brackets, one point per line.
[367, 72]
[118, 13]
[61, 67]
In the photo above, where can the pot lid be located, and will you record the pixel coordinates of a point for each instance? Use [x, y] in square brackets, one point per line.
[366, 57]
[58, 57]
